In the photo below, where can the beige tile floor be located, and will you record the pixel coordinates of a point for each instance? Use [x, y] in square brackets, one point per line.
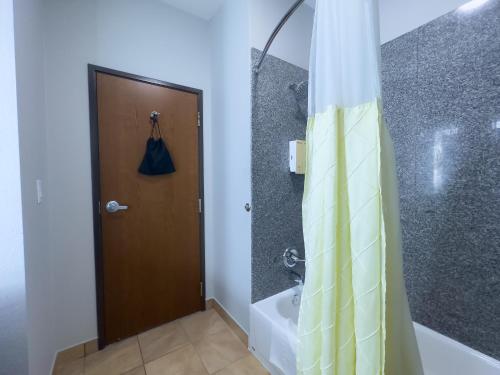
[199, 344]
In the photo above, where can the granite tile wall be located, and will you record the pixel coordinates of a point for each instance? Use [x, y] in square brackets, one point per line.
[276, 193]
[441, 93]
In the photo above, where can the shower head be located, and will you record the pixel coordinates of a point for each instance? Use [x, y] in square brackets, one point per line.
[300, 89]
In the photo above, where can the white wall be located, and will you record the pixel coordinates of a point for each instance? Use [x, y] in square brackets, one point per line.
[32, 132]
[398, 17]
[294, 40]
[143, 37]
[13, 343]
[231, 156]
[292, 44]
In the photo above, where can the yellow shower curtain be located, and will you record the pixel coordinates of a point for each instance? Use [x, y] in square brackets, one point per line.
[354, 316]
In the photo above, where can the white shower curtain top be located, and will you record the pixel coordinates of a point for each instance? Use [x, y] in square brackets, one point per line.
[345, 54]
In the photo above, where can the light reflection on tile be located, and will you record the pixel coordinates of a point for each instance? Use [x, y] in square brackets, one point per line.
[246, 366]
[201, 324]
[162, 340]
[182, 361]
[219, 350]
[115, 359]
[450, 199]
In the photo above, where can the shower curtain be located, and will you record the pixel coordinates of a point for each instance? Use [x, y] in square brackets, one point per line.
[354, 315]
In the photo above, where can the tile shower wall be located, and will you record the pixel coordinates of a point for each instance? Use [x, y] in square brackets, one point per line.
[441, 91]
[276, 193]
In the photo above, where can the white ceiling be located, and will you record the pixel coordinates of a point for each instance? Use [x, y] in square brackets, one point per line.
[205, 9]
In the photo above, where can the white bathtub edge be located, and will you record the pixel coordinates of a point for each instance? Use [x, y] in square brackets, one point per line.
[441, 355]
[425, 332]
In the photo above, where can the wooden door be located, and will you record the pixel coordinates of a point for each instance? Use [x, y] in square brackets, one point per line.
[148, 256]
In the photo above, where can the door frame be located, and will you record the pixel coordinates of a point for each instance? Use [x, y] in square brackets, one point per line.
[96, 184]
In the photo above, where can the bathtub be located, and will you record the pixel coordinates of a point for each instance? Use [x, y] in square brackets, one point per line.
[273, 340]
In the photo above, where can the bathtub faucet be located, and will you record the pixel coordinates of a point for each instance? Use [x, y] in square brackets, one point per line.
[298, 278]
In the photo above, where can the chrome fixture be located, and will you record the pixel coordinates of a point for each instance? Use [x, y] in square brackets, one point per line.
[295, 276]
[300, 92]
[114, 206]
[300, 89]
[275, 32]
[248, 207]
[298, 278]
[291, 257]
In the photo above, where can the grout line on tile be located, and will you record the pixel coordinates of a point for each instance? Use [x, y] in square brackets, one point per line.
[201, 359]
[140, 351]
[183, 330]
[135, 368]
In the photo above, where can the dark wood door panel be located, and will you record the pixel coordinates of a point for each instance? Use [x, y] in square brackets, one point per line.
[150, 253]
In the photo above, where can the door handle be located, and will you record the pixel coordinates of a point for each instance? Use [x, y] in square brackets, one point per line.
[114, 206]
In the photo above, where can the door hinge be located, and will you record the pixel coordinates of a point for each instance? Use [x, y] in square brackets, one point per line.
[201, 289]
[99, 207]
[199, 119]
[199, 205]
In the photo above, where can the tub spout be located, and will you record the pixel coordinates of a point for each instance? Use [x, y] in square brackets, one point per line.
[297, 277]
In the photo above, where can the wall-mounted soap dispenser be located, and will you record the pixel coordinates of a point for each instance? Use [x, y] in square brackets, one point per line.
[298, 157]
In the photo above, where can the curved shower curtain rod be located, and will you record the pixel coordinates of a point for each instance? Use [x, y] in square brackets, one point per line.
[275, 32]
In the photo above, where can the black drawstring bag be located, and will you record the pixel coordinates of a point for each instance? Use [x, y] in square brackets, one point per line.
[157, 160]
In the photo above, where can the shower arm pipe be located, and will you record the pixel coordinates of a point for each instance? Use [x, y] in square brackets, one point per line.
[275, 32]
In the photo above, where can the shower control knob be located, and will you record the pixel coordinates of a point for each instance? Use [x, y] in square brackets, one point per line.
[291, 257]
